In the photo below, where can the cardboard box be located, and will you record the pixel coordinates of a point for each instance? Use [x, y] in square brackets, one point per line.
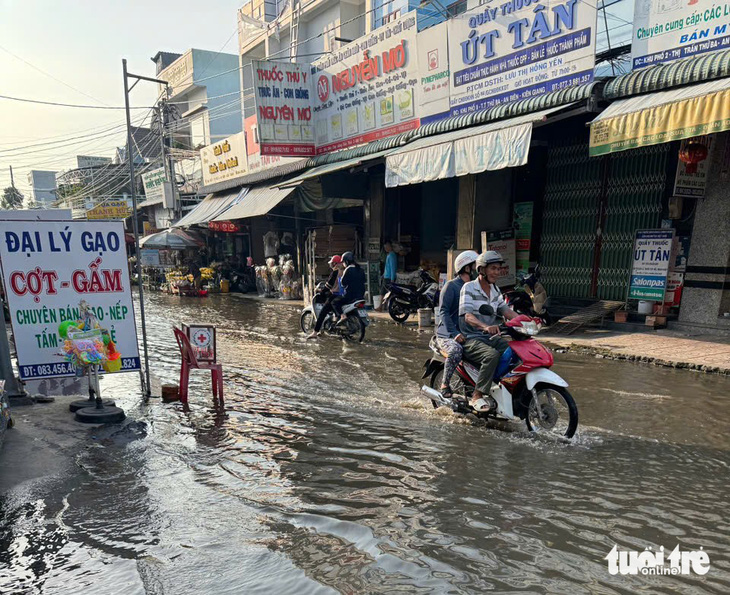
[620, 316]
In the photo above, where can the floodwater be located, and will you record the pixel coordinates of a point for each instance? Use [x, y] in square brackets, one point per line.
[328, 473]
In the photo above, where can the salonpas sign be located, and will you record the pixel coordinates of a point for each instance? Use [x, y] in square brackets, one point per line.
[671, 29]
[508, 51]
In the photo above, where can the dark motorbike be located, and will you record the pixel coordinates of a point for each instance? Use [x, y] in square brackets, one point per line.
[243, 280]
[404, 300]
[353, 327]
[529, 297]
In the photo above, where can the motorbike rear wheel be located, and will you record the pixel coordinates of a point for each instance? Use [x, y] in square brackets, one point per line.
[354, 329]
[398, 311]
[307, 321]
[457, 385]
[552, 411]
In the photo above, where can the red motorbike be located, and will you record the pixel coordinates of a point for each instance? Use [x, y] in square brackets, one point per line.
[525, 388]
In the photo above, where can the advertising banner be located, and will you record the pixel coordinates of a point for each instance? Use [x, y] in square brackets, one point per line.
[89, 161]
[153, 182]
[433, 69]
[686, 184]
[504, 243]
[149, 258]
[518, 49]
[368, 89]
[110, 209]
[224, 160]
[497, 149]
[651, 261]
[283, 109]
[673, 29]
[48, 268]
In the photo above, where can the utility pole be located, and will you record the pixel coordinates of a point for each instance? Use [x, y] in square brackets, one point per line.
[145, 378]
[12, 180]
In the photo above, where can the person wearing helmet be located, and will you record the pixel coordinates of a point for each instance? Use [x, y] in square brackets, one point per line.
[448, 335]
[483, 345]
[353, 283]
[335, 289]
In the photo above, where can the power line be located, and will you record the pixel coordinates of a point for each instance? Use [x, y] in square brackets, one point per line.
[64, 83]
[54, 103]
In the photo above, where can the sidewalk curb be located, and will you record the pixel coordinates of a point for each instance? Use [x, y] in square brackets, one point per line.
[605, 353]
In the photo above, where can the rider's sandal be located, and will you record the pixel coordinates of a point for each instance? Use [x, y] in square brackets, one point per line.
[447, 393]
[480, 405]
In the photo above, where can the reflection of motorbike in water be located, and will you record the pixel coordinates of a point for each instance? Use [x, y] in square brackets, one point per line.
[351, 329]
[524, 388]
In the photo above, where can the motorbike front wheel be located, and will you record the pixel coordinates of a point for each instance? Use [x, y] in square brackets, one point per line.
[398, 311]
[552, 411]
[307, 321]
[354, 329]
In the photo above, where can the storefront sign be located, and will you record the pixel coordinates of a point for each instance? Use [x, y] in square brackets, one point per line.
[517, 50]
[675, 284]
[523, 234]
[697, 116]
[149, 258]
[283, 108]
[153, 182]
[686, 184]
[48, 268]
[433, 70]
[110, 209]
[87, 161]
[368, 89]
[504, 243]
[651, 261]
[224, 226]
[673, 29]
[225, 160]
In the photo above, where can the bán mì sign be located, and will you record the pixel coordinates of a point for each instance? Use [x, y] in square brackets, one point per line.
[48, 267]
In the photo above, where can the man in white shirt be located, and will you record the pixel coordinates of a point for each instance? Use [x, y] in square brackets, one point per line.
[483, 345]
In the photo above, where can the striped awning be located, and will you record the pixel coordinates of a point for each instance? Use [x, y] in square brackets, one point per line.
[211, 207]
[259, 200]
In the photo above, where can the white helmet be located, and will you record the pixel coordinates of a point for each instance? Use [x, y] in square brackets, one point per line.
[489, 257]
[465, 258]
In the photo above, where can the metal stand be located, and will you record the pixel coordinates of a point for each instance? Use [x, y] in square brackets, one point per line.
[74, 406]
[99, 414]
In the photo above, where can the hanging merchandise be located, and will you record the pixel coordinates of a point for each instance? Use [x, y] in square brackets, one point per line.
[271, 244]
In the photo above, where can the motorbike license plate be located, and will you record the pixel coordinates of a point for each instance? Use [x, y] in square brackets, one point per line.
[362, 313]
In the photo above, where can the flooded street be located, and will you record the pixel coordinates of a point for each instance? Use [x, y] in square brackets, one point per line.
[328, 472]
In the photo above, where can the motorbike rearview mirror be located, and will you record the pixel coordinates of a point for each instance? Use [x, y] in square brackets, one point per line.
[486, 310]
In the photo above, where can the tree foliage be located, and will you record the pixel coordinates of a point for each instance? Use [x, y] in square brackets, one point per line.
[12, 199]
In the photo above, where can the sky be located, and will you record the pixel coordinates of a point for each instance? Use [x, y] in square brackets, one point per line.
[81, 43]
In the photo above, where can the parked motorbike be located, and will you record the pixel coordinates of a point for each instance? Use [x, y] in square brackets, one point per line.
[529, 297]
[353, 327]
[525, 387]
[243, 281]
[404, 300]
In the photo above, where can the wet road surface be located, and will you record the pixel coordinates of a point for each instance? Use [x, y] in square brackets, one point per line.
[329, 473]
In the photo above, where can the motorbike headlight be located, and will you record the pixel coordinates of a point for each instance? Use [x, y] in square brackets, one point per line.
[529, 328]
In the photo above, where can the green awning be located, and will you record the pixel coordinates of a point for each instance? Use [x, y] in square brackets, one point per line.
[697, 69]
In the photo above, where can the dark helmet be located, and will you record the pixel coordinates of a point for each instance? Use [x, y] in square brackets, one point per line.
[348, 258]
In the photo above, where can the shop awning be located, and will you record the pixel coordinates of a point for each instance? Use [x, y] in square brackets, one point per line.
[258, 201]
[329, 168]
[662, 117]
[210, 207]
[467, 151]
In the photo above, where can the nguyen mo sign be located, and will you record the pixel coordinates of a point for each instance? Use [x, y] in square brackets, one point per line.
[48, 267]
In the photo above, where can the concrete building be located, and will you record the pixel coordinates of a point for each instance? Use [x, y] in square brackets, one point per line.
[205, 96]
[43, 187]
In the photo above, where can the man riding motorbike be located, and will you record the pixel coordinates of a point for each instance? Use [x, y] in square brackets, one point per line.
[483, 345]
[448, 335]
[353, 284]
[335, 288]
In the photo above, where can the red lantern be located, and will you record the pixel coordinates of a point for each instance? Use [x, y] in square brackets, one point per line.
[692, 153]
